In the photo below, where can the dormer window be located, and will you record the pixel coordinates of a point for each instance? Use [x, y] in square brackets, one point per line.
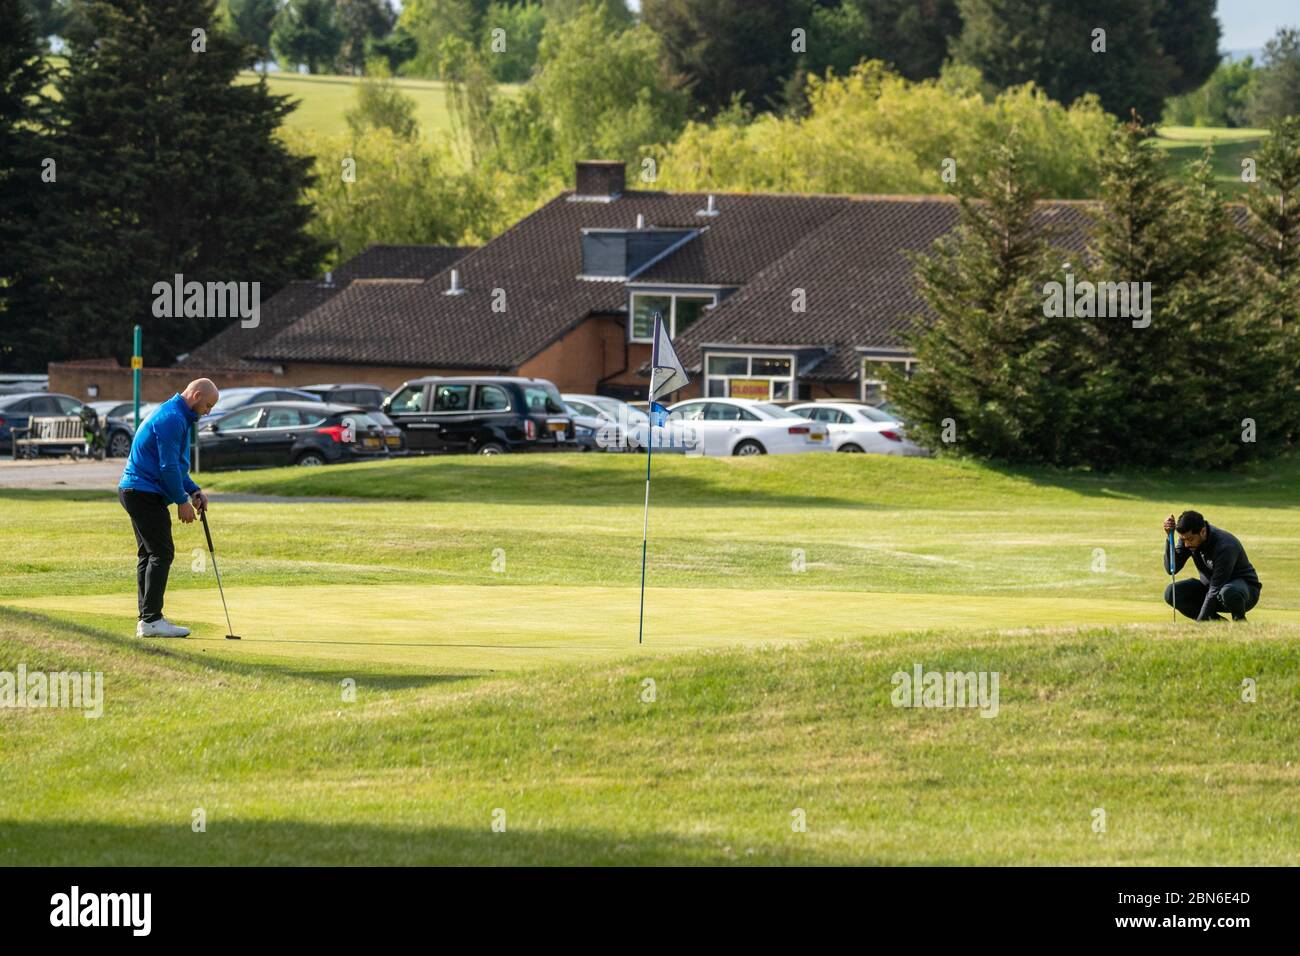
[623, 253]
[680, 310]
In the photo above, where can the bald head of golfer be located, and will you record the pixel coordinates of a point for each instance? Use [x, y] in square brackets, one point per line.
[156, 476]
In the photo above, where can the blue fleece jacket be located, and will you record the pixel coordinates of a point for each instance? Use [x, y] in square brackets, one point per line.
[160, 454]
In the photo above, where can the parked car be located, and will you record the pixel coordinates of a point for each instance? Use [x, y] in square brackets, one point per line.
[394, 437]
[615, 425]
[856, 427]
[16, 411]
[742, 426]
[118, 421]
[290, 433]
[369, 397]
[487, 415]
[233, 398]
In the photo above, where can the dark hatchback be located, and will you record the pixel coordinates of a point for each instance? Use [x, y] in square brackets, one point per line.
[290, 433]
[487, 415]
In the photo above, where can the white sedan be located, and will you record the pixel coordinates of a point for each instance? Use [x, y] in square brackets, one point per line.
[741, 426]
[860, 428]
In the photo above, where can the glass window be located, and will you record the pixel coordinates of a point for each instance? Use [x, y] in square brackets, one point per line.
[451, 398]
[717, 388]
[720, 412]
[67, 406]
[45, 406]
[728, 365]
[775, 411]
[689, 310]
[491, 398]
[409, 399]
[282, 418]
[688, 413]
[539, 398]
[644, 308]
[872, 414]
[771, 366]
[245, 419]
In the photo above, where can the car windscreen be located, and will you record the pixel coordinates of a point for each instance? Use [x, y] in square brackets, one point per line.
[228, 403]
[361, 420]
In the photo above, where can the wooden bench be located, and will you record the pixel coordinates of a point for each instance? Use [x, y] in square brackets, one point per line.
[51, 430]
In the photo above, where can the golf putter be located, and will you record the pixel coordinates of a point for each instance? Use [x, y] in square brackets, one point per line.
[230, 631]
[1173, 576]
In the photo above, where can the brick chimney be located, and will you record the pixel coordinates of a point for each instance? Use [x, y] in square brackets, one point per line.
[599, 180]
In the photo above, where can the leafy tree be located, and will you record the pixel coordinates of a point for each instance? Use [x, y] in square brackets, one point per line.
[198, 184]
[724, 48]
[442, 29]
[306, 32]
[1224, 99]
[990, 363]
[875, 132]
[381, 105]
[251, 21]
[1149, 52]
[360, 22]
[396, 49]
[23, 73]
[49, 18]
[405, 191]
[1277, 92]
[522, 24]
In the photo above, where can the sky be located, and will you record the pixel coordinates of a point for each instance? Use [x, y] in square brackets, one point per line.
[1248, 24]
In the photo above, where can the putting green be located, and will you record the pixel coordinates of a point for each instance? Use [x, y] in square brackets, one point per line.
[508, 627]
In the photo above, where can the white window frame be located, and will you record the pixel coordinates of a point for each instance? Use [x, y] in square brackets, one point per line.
[671, 317]
[749, 365]
[904, 359]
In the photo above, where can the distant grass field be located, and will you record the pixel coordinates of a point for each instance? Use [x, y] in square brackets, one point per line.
[784, 594]
[1185, 144]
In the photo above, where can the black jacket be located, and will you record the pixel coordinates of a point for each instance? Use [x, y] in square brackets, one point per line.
[1219, 560]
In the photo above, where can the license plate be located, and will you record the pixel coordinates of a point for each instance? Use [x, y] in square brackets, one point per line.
[817, 436]
[557, 426]
[371, 442]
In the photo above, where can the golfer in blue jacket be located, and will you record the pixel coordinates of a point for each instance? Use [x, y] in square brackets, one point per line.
[157, 475]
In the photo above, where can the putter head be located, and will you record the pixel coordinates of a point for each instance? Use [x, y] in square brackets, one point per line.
[233, 637]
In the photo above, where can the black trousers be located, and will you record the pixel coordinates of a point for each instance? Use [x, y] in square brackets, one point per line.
[1235, 597]
[152, 523]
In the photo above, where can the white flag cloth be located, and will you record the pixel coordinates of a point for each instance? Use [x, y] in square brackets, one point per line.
[666, 372]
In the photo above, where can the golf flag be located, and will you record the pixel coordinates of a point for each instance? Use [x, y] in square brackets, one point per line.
[666, 372]
[666, 376]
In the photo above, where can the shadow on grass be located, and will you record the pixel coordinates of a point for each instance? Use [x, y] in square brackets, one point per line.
[192, 656]
[298, 843]
[1261, 484]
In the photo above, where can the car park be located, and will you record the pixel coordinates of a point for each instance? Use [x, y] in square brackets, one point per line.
[614, 425]
[290, 433]
[17, 411]
[488, 415]
[740, 426]
[369, 397]
[117, 419]
[858, 427]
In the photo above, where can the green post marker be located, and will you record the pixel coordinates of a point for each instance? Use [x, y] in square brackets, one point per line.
[137, 363]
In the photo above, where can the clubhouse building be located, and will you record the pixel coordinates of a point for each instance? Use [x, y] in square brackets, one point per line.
[766, 296]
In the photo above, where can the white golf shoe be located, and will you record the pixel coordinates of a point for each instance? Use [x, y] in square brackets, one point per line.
[160, 628]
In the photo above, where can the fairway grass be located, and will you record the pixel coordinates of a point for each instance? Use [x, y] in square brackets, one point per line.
[485, 612]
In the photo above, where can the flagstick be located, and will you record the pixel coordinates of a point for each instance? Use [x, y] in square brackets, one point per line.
[645, 522]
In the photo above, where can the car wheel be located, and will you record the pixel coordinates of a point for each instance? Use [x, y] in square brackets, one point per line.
[119, 445]
[749, 447]
[850, 448]
[311, 459]
[491, 448]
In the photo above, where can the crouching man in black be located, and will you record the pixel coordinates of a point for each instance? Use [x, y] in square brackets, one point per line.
[1226, 582]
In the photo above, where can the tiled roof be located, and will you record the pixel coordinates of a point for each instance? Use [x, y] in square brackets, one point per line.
[536, 264]
[858, 282]
[234, 345]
